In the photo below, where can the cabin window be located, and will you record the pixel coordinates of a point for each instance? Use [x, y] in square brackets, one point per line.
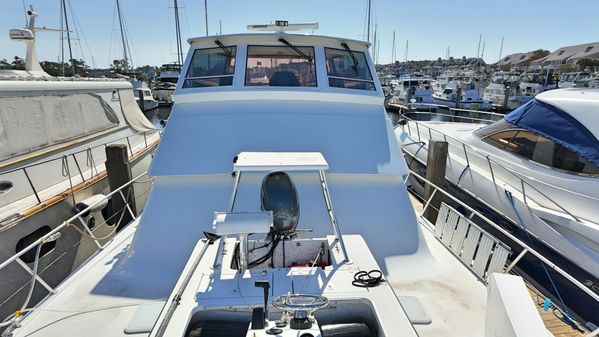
[348, 69]
[211, 67]
[537, 148]
[29, 256]
[280, 66]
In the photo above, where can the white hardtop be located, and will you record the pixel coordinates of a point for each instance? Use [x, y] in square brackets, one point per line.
[582, 104]
[250, 38]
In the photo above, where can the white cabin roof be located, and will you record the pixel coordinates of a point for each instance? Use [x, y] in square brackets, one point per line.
[250, 38]
[582, 104]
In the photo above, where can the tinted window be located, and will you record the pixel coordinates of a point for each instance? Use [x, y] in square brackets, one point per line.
[346, 71]
[280, 66]
[541, 150]
[211, 67]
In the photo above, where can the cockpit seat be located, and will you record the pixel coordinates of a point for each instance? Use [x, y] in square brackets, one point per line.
[283, 79]
[278, 194]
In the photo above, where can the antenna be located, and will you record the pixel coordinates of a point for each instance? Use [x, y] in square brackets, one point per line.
[407, 45]
[220, 25]
[480, 37]
[500, 49]
[374, 47]
[281, 26]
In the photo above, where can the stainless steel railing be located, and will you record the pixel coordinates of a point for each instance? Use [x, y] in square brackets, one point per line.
[528, 191]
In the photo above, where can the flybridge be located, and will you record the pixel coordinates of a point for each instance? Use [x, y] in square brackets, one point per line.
[281, 26]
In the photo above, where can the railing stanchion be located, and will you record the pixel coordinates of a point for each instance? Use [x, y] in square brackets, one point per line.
[127, 205]
[516, 260]
[418, 131]
[37, 277]
[89, 231]
[491, 170]
[39, 201]
[466, 154]
[428, 201]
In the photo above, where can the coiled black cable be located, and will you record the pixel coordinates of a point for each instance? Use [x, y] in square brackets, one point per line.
[364, 279]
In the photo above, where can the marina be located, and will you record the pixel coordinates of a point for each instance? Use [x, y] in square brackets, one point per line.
[284, 179]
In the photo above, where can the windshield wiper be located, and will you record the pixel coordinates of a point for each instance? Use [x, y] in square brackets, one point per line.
[295, 49]
[353, 57]
[227, 51]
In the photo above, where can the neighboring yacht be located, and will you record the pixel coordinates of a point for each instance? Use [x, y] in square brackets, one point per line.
[167, 81]
[279, 208]
[520, 88]
[53, 133]
[575, 80]
[417, 93]
[538, 167]
[141, 90]
[461, 95]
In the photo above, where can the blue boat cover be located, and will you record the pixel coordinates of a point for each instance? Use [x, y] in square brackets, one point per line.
[557, 125]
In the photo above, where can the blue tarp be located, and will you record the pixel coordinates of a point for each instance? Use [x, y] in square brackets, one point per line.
[557, 125]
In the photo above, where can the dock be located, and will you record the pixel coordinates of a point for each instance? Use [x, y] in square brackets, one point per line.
[553, 324]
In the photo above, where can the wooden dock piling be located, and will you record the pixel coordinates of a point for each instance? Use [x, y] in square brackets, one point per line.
[119, 173]
[436, 163]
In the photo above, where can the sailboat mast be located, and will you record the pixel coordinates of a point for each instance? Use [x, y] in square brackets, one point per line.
[206, 15]
[125, 58]
[66, 22]
[393, 49]
[61, 60]
[368, 20]
[178, 32]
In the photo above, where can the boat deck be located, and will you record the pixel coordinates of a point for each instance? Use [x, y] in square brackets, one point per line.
[552, 322]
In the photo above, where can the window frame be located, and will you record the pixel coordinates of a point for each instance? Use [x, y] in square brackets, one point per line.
[329, 76]
[247, 56]
[232, 75]
[518, 130]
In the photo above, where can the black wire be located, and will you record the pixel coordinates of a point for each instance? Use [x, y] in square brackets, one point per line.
[268, 255]
[368, 279]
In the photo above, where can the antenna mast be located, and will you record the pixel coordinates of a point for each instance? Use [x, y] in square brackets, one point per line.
[500, 48]
[480, 37]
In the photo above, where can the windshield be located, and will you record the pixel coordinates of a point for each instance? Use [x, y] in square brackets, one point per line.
[280, 66]
[346, 71]
[211, 67]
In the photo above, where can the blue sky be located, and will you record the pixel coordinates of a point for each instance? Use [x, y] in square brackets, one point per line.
[430, 26]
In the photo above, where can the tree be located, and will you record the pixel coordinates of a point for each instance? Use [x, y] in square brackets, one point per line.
[118, 67]
[4, 64]
[18, 63]
[588, 63]
[54, 68]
